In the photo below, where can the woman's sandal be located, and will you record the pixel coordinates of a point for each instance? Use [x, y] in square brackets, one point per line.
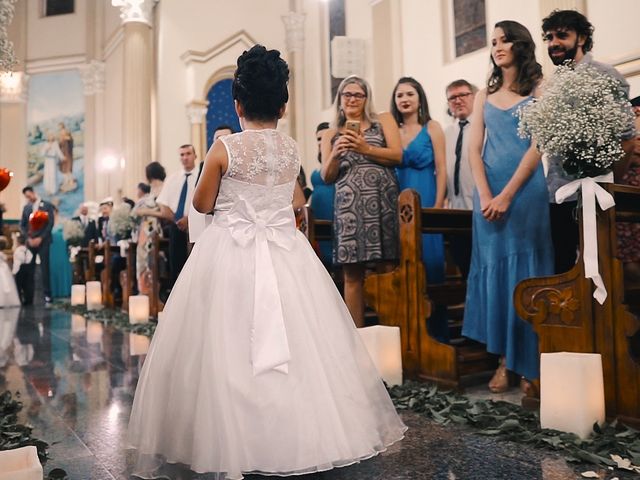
[500, 381]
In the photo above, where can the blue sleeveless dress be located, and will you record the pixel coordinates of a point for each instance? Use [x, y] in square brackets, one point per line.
[417, 171]
[322, 200]
[507, 251]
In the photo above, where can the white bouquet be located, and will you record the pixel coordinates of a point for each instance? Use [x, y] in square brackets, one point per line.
[580, 117]
[72, 232]
[120, 221]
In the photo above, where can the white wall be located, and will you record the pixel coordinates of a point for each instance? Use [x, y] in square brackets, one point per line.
[56, 36]
[179, 30]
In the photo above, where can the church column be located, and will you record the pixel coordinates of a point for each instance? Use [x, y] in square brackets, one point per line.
[13, 116]
[197, 113]
[294, 37]
[92, 74]
[387, 48]
[137, 19]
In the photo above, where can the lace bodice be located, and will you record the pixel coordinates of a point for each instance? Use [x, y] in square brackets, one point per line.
[263, 167]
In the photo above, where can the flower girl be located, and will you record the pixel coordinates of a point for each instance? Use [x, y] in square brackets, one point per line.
[256, 366]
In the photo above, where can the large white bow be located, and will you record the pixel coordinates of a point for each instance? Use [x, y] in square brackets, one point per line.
[591, 192]
[269, 344]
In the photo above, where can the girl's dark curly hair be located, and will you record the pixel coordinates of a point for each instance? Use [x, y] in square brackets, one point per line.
[260, 83]
[155, 171]
[423, 105]
[529, 70]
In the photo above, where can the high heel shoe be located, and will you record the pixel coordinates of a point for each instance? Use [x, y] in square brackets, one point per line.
[500, 381]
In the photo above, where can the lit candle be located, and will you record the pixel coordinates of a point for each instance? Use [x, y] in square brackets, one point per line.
[20, 463]
[94, 332]
[138, 309]
[94, 295]
[383, 344]
[77, 294]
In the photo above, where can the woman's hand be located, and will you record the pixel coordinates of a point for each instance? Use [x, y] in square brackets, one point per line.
[355, 141]
[340, 146]
[497, 207]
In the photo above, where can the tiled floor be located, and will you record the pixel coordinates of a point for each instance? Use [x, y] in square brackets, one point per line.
[77, 381]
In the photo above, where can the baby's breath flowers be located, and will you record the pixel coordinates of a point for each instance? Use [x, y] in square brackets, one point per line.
[581, 118]
[7, 56]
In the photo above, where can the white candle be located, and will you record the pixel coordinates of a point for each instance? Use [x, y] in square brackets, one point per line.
[383, 344]
[94, 295]
[20, 464]
[138, 344]
[138, 309]
[77, 294]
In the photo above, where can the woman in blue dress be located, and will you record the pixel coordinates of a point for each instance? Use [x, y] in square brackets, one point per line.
[511, 232]
[423, 169]
[59, 266]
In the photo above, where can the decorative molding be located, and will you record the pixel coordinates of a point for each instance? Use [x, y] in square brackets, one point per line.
[294, 31]
[195, 56]
[140, 11]
[220, 74]
[197, 112]
[628, 65]
[113, 42]
[55, 64]
[92, 74]
[14, 87]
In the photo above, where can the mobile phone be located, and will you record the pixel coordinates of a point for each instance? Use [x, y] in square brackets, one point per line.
[353, 125]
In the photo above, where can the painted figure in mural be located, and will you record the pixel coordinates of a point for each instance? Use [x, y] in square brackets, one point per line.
[52, 156]
[65, 141]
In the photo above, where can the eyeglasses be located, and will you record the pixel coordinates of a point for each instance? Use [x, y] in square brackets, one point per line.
[560, 35]
[460, 96]
[350, 95]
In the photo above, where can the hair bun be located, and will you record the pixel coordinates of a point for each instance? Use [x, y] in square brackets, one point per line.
[260, 83]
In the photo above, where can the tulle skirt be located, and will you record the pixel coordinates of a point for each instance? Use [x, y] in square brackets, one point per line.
[198, 402]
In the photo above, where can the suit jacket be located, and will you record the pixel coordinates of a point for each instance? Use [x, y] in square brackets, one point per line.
[44, 232]
[90, 231]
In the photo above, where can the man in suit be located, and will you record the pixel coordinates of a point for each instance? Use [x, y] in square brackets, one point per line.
[38, 241]
[88, 224]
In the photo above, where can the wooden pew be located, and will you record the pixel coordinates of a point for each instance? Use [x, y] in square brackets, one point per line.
[128, 276]
[567, 317]
[105, 275]
[402, 298]
[159, 276]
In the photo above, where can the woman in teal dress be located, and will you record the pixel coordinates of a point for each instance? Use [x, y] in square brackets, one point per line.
[322, 198]
[511, 230]
[423, 169]
[60, 275]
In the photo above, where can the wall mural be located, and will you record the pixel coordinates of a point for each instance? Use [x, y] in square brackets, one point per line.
[55, 124]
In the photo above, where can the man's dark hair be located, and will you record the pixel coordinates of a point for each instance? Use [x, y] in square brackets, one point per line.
[461, 83]
[322, 126]
[260, 83]
[144, 187]
[188, 145]
[570, 20]
[128, 201]
[155, 171]
[27, 189]
[224, 127]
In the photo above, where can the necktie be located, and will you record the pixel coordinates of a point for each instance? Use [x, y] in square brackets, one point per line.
[456, 170]
[183, 197]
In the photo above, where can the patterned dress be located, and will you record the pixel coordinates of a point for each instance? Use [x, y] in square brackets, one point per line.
[629, 233]
[366, 207]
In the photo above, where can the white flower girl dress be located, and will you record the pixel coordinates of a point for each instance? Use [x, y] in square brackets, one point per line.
[256, 366]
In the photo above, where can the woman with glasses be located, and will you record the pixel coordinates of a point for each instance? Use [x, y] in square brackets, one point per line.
[359, 154]
[511, 231]
[423, 169]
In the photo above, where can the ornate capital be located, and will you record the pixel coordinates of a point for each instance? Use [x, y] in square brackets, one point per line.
[197, 112]
[294, 31]
[135, 10]
[13, 87]
[92, 74]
